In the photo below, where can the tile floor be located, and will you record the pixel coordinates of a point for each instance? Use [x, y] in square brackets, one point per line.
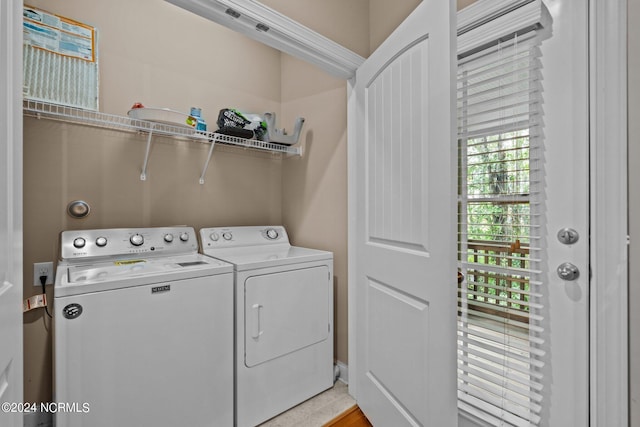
[316, 411]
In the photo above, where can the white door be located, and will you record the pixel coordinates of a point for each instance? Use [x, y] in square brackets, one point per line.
[395, 200]
[10, 210]
[405, 305]
[558, 191]
[565, 108]
[514, 308]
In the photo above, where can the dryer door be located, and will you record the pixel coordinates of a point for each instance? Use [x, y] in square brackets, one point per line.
[284, 312]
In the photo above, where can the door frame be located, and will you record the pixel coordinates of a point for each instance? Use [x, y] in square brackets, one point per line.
[11, 230]
[608, 213]
[609, 379]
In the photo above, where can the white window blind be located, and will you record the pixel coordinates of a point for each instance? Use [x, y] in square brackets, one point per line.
[500, 352]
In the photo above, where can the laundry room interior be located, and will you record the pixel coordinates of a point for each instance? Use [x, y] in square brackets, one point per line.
[160, 55]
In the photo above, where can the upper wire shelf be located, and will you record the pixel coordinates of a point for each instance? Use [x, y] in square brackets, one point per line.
[41, 109]
[112, 121]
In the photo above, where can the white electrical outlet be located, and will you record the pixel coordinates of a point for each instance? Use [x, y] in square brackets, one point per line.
[42, 269]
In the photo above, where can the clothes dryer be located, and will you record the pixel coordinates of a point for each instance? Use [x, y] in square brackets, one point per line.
[143, 330]
[283, 318]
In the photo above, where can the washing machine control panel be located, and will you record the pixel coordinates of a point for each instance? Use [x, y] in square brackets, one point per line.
[227, 237]
[78, 244]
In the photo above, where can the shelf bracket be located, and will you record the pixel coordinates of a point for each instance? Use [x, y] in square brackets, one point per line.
[143, 175]
[206, 164]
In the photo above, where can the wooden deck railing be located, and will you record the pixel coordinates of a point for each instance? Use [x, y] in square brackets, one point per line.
[497, 293]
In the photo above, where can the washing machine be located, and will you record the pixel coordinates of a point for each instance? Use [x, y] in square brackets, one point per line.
[143, 329]
[283, 318]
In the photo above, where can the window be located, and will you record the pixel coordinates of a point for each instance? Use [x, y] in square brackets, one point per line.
[499, 327]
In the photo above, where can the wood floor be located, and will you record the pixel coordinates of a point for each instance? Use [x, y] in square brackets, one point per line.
[352, 417]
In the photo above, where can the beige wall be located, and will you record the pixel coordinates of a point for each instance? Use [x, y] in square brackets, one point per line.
[162, 56]
[385, 16]
[314, 186]
[634, 208]
[345, 22]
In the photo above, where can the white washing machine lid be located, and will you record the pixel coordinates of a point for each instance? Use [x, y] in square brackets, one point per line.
[253, 257]
[74, 278]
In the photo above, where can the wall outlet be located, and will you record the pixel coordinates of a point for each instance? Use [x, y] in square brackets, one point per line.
[42, 269]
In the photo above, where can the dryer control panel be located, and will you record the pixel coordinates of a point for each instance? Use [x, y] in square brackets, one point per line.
[229, 237]
[111, 242]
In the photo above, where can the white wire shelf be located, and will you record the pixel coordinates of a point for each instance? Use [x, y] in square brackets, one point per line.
[47, 110]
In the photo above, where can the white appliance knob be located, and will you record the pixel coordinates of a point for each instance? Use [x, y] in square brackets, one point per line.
[101, 241]
[168, 238]
[184, 237]
[214, 236]
[136, 240]
[227, 235]
[79, 242]
[272, 234]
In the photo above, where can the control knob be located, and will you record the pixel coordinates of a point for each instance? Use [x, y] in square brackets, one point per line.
[168, 237]
[227, 235]
[79, 242]
[136, 240]
[184, 237]
[272, 234]
[101, 241]
[214, 236]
